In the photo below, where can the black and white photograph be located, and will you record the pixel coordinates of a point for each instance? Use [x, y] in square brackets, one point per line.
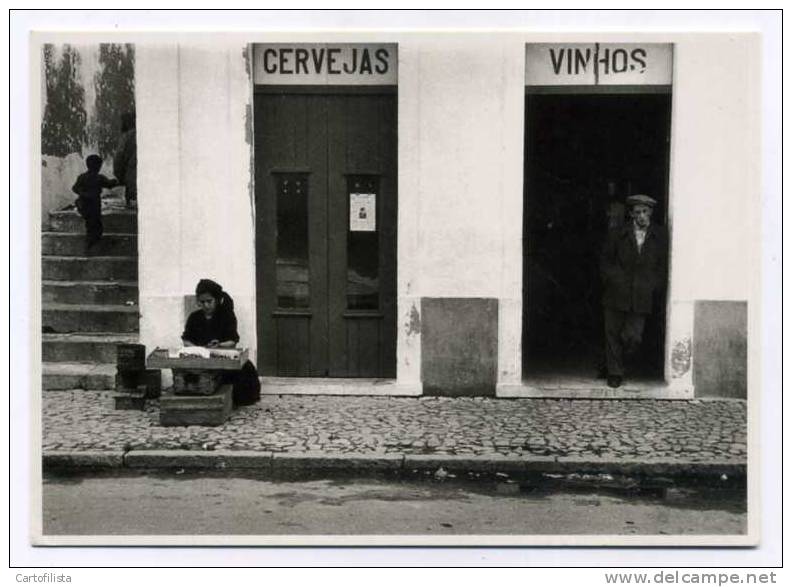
[383, 288]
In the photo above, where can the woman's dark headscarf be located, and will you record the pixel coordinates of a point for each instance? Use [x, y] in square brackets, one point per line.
[224, 301]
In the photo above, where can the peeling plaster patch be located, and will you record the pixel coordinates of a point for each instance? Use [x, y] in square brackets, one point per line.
[680, 358]
[414, 325]
[249, 124]
[249, 141]
[246, 57]
[249, 134]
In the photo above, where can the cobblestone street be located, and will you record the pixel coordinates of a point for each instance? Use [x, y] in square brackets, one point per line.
[693, 431]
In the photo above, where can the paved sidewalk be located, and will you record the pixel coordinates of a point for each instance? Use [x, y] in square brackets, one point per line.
[542, 430]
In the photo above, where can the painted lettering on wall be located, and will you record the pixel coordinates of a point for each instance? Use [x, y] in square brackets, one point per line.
[549, 64]
[577, 61]
[325, 64]
[316, 61]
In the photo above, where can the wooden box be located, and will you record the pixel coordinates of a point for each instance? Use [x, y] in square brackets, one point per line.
[131, 357]
[161, 359]
[131, 381]
[131, 400]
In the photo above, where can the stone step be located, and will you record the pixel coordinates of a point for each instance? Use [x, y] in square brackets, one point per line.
[72, 348]
[89, 268]
[62, 318]
[73, 244]
[78, 376]
[89, 292]
[117, 221]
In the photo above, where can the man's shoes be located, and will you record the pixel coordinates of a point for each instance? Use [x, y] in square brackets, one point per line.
[614, 381]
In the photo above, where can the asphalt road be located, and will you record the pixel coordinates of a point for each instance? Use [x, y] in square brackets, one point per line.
[194, 503]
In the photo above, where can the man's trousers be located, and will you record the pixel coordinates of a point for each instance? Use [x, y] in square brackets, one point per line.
[623, 334]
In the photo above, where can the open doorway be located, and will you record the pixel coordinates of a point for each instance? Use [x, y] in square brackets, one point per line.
[584, 154]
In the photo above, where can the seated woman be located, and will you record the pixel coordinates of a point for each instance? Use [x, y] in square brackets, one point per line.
[214, 325]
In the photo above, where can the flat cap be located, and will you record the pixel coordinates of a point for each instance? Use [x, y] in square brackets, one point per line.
[641, 199]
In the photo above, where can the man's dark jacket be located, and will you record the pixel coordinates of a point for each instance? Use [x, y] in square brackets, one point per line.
[630, 278]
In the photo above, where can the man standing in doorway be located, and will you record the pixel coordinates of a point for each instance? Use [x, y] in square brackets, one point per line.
[632, 267]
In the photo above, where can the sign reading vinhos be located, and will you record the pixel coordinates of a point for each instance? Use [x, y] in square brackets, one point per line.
[598, 64]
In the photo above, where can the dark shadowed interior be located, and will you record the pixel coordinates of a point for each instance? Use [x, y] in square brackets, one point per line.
[584, 154]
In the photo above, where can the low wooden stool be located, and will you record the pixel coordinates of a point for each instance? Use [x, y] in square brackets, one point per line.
[196, 410]
[198, 396]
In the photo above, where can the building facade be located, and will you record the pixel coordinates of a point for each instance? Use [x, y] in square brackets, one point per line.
[415, 214]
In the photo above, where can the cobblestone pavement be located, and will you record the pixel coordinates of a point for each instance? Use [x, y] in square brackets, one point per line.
[693, 431]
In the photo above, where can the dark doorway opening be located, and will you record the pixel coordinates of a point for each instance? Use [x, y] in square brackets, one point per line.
[584, 154]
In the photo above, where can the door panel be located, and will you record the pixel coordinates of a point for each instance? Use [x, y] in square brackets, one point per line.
[290, 132]
[337, 316]
[362, 155]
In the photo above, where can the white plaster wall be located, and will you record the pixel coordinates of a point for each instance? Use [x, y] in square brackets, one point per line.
[408, 302]
[195, 208]
[470, 142]
[714, 188]
[460, 180]
[159, 199]
[714, 185]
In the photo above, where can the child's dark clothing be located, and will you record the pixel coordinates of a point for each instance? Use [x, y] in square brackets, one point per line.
[91, 210]
[89, 187]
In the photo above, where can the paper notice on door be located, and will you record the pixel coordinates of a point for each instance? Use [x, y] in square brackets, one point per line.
[362, 212]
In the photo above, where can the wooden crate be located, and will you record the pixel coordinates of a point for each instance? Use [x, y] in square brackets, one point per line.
[160, 359]
[131, 357]
[131, 401]
[130, 381]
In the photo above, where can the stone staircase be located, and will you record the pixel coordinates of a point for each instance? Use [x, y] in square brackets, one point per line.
[89, 304]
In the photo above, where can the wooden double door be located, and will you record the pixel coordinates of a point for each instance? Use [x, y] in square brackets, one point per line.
[326, 210]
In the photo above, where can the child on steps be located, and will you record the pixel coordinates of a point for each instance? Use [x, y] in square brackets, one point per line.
[88, 187]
